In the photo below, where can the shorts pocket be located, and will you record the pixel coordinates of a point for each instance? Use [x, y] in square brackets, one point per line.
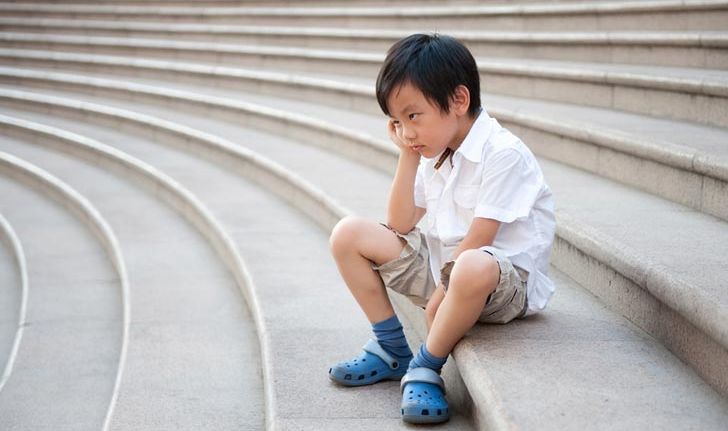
[509, 298]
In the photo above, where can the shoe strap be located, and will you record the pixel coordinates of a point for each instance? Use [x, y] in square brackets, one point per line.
[422, 375]
[373, 347]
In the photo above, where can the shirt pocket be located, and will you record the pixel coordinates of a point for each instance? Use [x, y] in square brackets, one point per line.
[466, 199]
[432, 198]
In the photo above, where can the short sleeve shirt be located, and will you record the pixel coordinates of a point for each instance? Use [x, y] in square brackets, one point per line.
[492, 175]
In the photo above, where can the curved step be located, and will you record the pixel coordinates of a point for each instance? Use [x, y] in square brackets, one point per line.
[670, 92]
[636, 352]
[638, 151]
[681, 49]
[274, 331]
[653, 15]
[189, 302]
[15, 297]
[73, 317]
[317, 3]
[634, 269]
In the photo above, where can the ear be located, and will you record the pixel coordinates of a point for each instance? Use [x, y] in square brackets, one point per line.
[460, 101]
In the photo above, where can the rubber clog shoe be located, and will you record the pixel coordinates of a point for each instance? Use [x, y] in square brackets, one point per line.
[372, 366]
[423, 397]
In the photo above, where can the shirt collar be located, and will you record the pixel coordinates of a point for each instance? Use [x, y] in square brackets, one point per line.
[473, 144]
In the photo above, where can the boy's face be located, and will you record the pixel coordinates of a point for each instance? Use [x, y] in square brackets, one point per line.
[420, 124]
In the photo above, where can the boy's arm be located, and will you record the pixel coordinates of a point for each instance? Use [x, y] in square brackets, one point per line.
[481, 233]
[402, 214]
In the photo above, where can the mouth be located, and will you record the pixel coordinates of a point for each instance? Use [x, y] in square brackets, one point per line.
[417, 147]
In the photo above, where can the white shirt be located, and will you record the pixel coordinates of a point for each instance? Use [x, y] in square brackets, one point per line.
[493, 175]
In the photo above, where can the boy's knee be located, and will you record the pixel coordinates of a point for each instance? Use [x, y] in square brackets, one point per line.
[475, 270]
[344, 234]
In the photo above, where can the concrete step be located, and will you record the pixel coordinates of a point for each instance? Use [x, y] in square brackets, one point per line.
[605, 343]
[602, 16]
[653, 278]
[669, 92]
[258, 3]
[701, 49]
[635, 150]
[67, 360]
[286, 352]
[167, 383]
[13, 297]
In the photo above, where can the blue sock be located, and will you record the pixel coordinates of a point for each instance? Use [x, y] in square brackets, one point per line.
[427, 360]
[391, 337]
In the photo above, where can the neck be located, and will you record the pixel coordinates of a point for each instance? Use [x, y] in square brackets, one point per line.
[465, 124]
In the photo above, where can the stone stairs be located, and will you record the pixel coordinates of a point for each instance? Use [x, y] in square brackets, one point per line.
[209, 151]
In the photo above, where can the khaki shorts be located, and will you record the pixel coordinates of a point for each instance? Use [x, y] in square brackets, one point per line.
[410, 275]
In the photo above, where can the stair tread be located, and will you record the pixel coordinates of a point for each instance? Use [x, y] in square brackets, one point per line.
[710, 77]
[73, 317]
[673, 139]
[191, 343]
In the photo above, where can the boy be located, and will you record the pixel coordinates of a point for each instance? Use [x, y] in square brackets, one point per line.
[483, 254]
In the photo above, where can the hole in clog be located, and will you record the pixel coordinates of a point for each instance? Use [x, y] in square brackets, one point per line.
[374, 373]
[439, 412]
[361, 377]
[425, 412]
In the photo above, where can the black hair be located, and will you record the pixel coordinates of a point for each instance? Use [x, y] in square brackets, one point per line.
[435, 64]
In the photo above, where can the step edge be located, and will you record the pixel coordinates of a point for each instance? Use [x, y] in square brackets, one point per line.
[88, 215]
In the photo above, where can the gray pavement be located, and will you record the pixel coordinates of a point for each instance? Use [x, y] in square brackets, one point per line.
[66, 363]
[193, 359]
[11, 300]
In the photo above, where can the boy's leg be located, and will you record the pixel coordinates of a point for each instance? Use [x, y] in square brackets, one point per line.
[475, 276]
[356, 242]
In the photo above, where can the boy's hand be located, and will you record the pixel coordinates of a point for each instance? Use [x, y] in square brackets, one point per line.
[395, 134]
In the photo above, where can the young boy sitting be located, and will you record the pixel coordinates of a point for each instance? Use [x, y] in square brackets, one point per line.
[483, 252]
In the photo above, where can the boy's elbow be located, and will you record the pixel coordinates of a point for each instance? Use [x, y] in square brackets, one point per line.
[401, 228]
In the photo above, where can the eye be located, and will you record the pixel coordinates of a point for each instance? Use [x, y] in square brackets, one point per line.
[413, 116]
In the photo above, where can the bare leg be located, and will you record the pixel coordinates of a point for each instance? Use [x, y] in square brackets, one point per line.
[356, 242]
[474, 276]
[433, 304]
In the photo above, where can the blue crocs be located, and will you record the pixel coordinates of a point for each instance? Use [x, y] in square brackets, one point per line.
[372, 366]
[423, 397]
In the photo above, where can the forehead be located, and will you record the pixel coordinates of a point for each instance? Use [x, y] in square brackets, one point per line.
[405, 98]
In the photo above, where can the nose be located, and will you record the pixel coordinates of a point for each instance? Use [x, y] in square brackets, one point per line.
[408, 133]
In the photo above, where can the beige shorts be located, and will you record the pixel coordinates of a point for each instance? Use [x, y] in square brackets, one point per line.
[410, 275]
